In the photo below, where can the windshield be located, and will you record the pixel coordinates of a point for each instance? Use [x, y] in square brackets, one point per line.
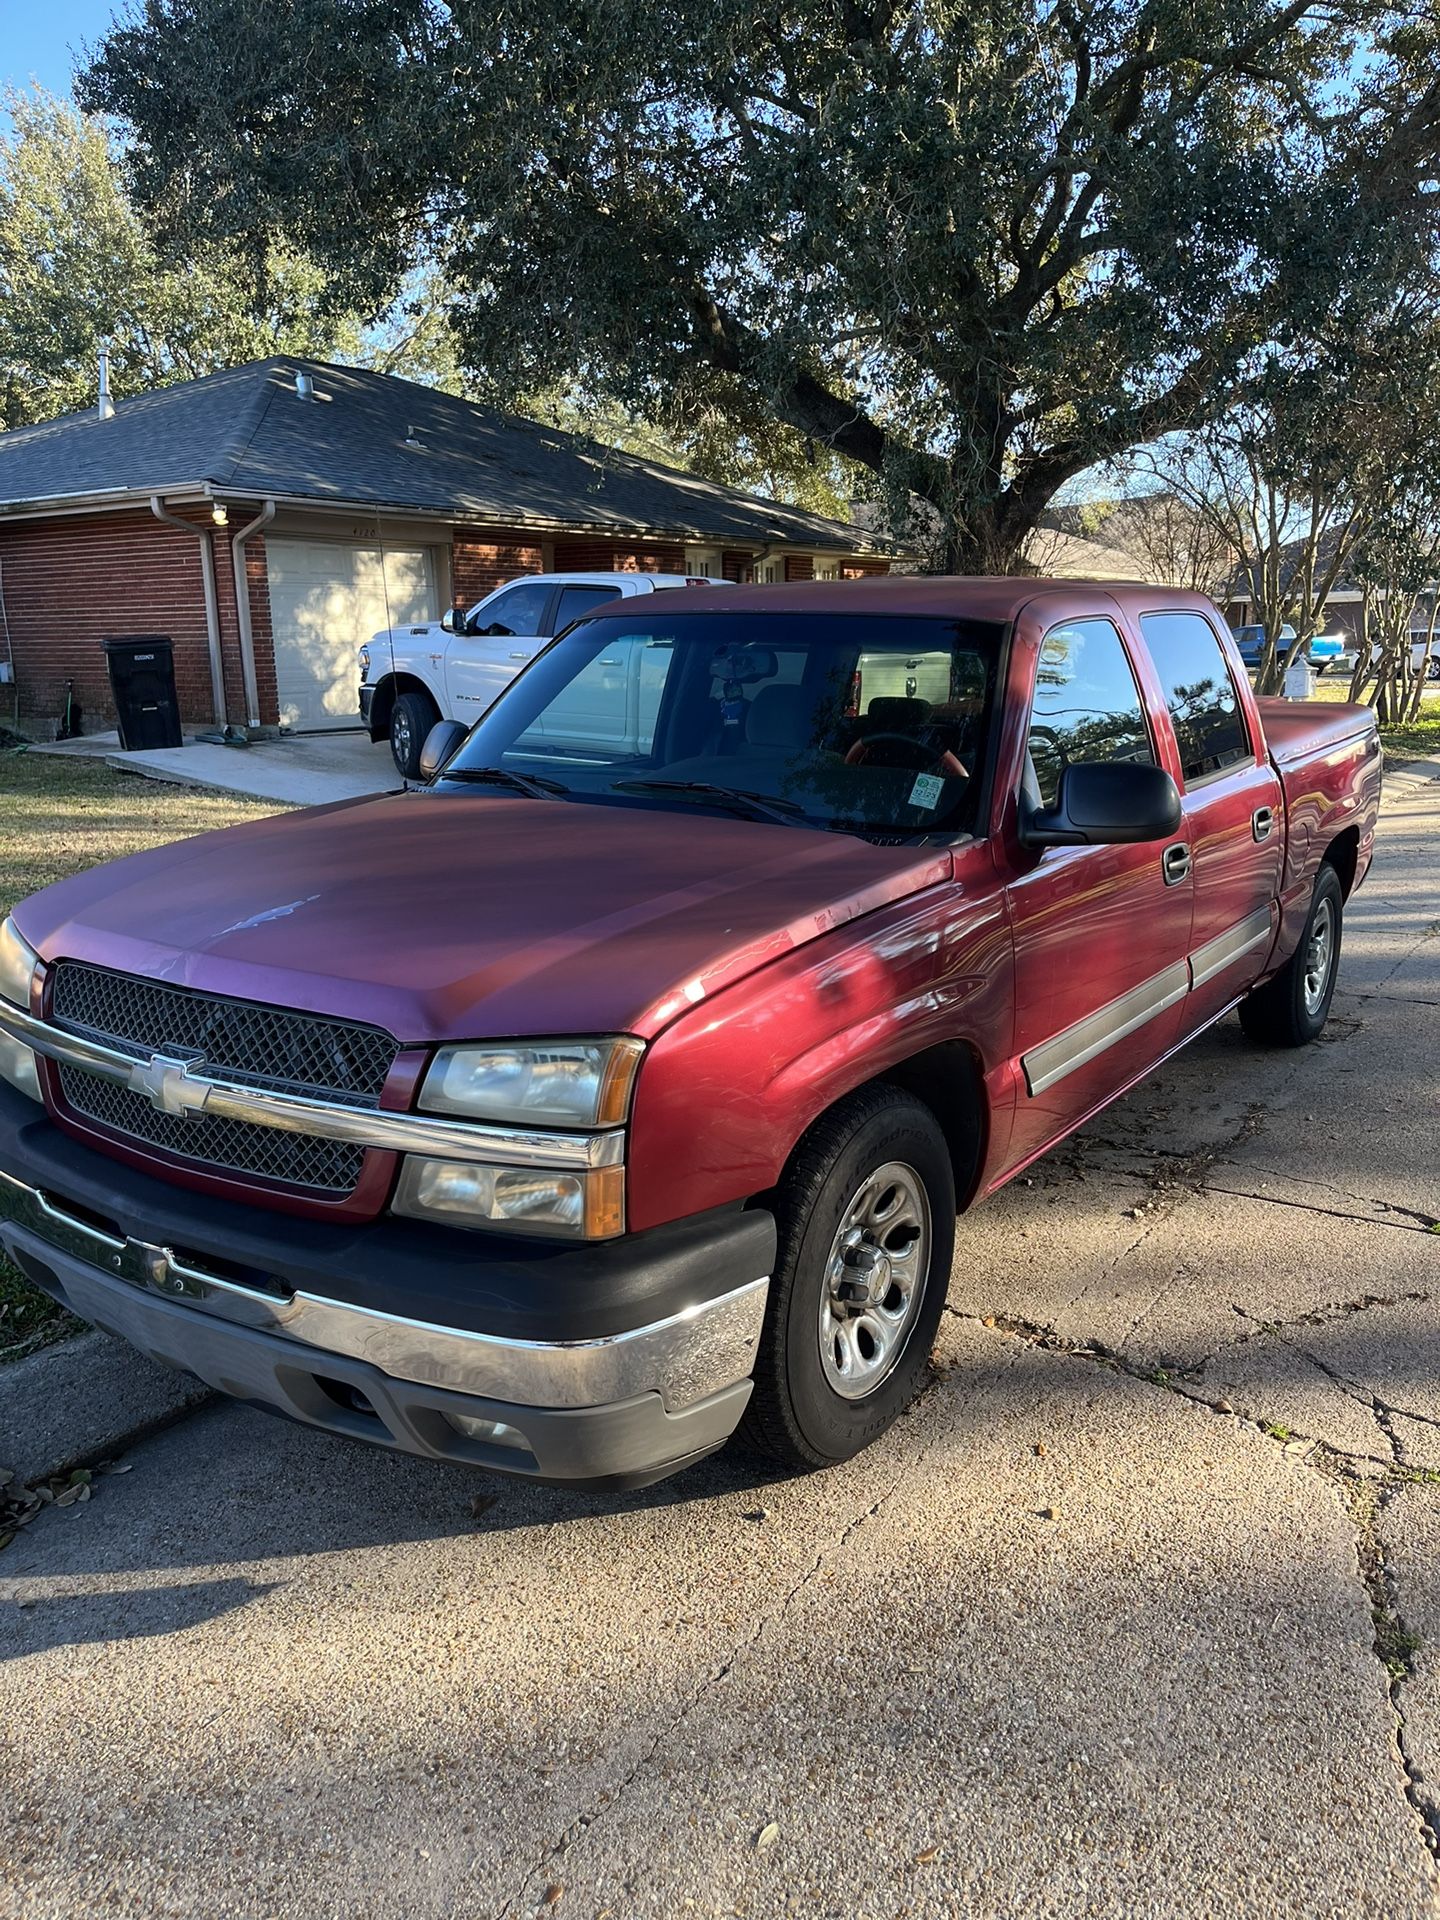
[844, 721]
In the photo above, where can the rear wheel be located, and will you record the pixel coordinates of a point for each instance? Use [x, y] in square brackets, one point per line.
[866, 1212]
[411, 718]
[1291, 1009]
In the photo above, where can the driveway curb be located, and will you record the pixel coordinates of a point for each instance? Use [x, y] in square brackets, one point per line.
[84, 1400]
[1426, 767]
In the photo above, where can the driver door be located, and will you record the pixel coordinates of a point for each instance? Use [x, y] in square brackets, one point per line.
[510, 628]
[1100, 933]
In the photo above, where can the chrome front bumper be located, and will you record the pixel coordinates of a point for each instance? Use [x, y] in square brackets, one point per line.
[625, 1407]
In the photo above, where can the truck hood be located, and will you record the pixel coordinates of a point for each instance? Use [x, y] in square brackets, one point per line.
[467, 916]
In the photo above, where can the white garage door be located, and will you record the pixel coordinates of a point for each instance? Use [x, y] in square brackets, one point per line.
[325, 600]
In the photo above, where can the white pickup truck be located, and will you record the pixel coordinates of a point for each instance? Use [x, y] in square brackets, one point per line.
[453, 668]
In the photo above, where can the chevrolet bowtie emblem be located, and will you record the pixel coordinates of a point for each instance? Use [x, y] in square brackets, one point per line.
[167, 1084]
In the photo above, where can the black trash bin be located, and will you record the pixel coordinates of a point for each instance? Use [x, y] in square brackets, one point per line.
[142, 679]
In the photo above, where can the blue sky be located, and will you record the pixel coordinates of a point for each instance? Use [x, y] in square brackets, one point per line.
[41, 39]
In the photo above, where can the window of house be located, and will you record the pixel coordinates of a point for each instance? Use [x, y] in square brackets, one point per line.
[827, 569]
[768, 573]
[1087, 704]
[702, 563]
[1204, 706]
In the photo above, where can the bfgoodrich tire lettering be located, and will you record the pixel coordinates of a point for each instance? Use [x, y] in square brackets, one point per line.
[869, 1183]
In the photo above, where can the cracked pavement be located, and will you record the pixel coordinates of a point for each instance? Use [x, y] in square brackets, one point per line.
[1137, 1612]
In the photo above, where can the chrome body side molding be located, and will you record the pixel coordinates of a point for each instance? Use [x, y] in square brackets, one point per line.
[1077, 1046]
[1255, 930]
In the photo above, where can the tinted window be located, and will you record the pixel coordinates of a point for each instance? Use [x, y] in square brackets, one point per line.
[875, 725]
[517, 610]
[577, 600]
[1199, 692]
[1087, 705]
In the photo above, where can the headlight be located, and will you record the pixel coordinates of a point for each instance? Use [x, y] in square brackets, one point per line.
[18, 961]
[580, 1206]
[364, 663]
[551, 1083]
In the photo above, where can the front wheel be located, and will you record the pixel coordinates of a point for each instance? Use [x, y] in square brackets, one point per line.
[866, 1213]
[1291, 1009]
[411, 718]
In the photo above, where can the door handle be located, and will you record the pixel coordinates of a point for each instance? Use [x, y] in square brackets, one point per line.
[519, 656]
[1262, 822]
[1175, 864]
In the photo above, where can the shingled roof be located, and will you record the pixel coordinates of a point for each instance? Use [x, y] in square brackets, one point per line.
[248, 432]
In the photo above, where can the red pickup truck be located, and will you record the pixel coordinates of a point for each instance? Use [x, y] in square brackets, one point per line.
[620, 1087]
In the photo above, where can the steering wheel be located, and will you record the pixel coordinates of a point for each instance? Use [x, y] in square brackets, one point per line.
[923, 758]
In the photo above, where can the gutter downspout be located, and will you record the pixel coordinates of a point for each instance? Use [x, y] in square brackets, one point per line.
[242, 612]
[212, 604]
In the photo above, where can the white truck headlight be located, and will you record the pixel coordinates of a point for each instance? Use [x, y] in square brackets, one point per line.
[18, 962]
[542, 1083]
[572, 1206]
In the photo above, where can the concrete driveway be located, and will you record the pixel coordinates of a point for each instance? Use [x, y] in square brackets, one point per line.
[297, 769]
[1136, 1613]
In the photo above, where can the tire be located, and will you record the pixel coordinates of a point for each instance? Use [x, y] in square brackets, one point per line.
[807, 1410]
[1291, 1009]
[411, 718]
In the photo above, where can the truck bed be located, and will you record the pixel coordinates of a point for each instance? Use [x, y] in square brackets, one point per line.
[1306, 729]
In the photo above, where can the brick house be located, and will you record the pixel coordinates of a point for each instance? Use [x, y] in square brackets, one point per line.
[272, 517]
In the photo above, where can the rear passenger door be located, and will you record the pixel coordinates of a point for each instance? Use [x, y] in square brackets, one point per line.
[595, 708]
[1233, 820]
[1100, 933]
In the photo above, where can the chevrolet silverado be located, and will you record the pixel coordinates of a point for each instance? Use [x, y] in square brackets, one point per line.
[618, 1090]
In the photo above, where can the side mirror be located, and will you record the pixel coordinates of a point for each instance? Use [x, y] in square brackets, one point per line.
[442, 741]
[447, 619]
[1105, 803]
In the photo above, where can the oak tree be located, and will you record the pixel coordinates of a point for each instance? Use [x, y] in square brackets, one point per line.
[972, 246]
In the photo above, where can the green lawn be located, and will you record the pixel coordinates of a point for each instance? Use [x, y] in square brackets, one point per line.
[56, 818]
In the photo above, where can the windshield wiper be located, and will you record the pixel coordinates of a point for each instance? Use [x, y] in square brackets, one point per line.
[535, 784]
[759, 806]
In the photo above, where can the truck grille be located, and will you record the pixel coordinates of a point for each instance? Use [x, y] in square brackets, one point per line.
[291, 1159]
[252, 1045]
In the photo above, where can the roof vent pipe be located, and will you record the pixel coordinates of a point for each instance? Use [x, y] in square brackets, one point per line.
[105, 406]
[304, 386]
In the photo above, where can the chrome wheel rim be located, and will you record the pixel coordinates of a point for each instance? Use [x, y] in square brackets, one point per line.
[1319, 956]
[400, 739]
[874, 1277]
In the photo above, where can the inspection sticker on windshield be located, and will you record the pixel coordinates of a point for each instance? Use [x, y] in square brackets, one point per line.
[927, 790]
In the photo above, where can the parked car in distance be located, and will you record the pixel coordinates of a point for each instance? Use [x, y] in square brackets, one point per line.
[1424, 657]
[453, 668]
[1325, 649]
[620, 1088]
